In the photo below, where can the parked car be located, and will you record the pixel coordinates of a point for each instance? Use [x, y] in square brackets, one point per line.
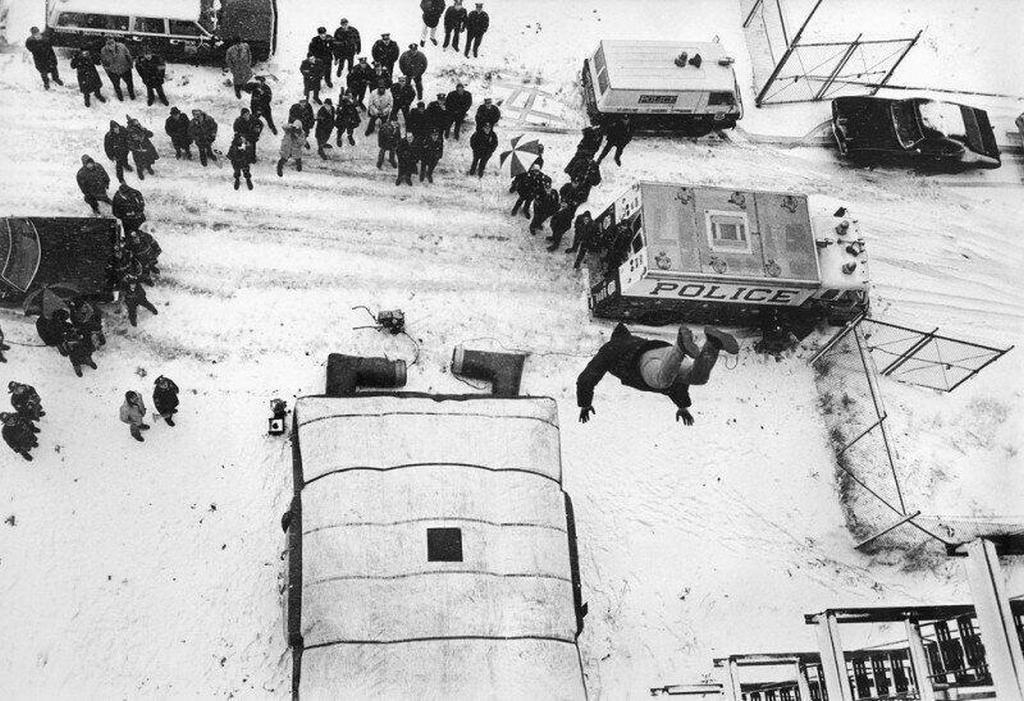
[184, 30]
[914, 131]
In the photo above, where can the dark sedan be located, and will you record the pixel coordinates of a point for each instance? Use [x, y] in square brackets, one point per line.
[914, 131]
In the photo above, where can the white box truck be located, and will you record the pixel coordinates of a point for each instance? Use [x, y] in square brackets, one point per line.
[663, 85]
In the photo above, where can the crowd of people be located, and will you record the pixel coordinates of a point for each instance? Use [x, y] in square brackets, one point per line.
[385, 89]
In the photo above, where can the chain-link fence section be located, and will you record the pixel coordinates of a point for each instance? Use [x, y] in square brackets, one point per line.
[848, 370]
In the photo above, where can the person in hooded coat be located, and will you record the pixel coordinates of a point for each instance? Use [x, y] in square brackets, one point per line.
[430, 149]
[140, 145]
[133, 413]
[654, 366]
[322, 46]
[477, 24]
[93, 181]
[115, 144]
[145, 249]
[324, 127]
[26, 400]
[359, 78]
[259, 102]
[88, 77]
[43, 57]
[406, 154]
[347, 44]
[152, 70]
[176, 127]
[483, 142]
[312, 71]
[457, 104]
[347, 119]
[432, 11]
[385, 52]
[203, 131]
[18, 434]
[586, 149]
[413, 65]
[292, 141]
[89, 320]
[249, 125]
[165, 399]
[454, 23]
[387, 141]
[129, 206]
[117, 61]
[241, 156]
[238, 59]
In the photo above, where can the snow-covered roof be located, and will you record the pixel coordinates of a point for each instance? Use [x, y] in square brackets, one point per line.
[381, 617]
[187, 10]
[650, 65]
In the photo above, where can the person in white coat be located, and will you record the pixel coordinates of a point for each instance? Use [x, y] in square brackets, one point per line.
[379, 108]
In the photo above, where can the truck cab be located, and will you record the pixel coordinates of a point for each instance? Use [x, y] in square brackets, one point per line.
[663, 85]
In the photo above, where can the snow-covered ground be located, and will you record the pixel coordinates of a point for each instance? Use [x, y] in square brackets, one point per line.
[153, 569]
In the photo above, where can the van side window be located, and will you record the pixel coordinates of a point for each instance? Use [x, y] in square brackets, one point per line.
[71, 19]
[149, 25]
[601, 66]
[721, 98]
[117, 23]
[183, 28]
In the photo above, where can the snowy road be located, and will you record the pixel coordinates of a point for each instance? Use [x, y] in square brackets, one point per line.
[153, 569]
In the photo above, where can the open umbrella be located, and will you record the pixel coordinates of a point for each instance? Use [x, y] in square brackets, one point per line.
[47, 299]
[521, 155]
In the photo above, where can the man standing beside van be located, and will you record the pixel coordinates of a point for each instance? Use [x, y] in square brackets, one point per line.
[43, 57]
[238, 59]
[152, 70]
[117, 61]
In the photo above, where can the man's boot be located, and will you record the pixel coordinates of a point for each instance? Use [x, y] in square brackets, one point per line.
[280, 168]
[684, 339]
[237, 184]
[721, 340]
[248, 182]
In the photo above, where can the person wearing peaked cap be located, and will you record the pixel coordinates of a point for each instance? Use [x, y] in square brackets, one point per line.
[385, 52]
[347, 44]
[413, 65]
[360, 77]
[457, 104]
[477, 24]
[322, 46]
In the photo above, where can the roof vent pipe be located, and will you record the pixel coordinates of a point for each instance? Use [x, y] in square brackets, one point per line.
[503, 370]
[347, 373]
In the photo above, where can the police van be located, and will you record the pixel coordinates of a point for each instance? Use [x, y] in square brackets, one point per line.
[183, 30]
[700, 254]
[670, 85]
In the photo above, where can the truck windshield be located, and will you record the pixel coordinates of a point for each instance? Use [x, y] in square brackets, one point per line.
[904, 119]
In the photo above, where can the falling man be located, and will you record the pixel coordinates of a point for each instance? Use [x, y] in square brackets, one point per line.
[650, 365]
